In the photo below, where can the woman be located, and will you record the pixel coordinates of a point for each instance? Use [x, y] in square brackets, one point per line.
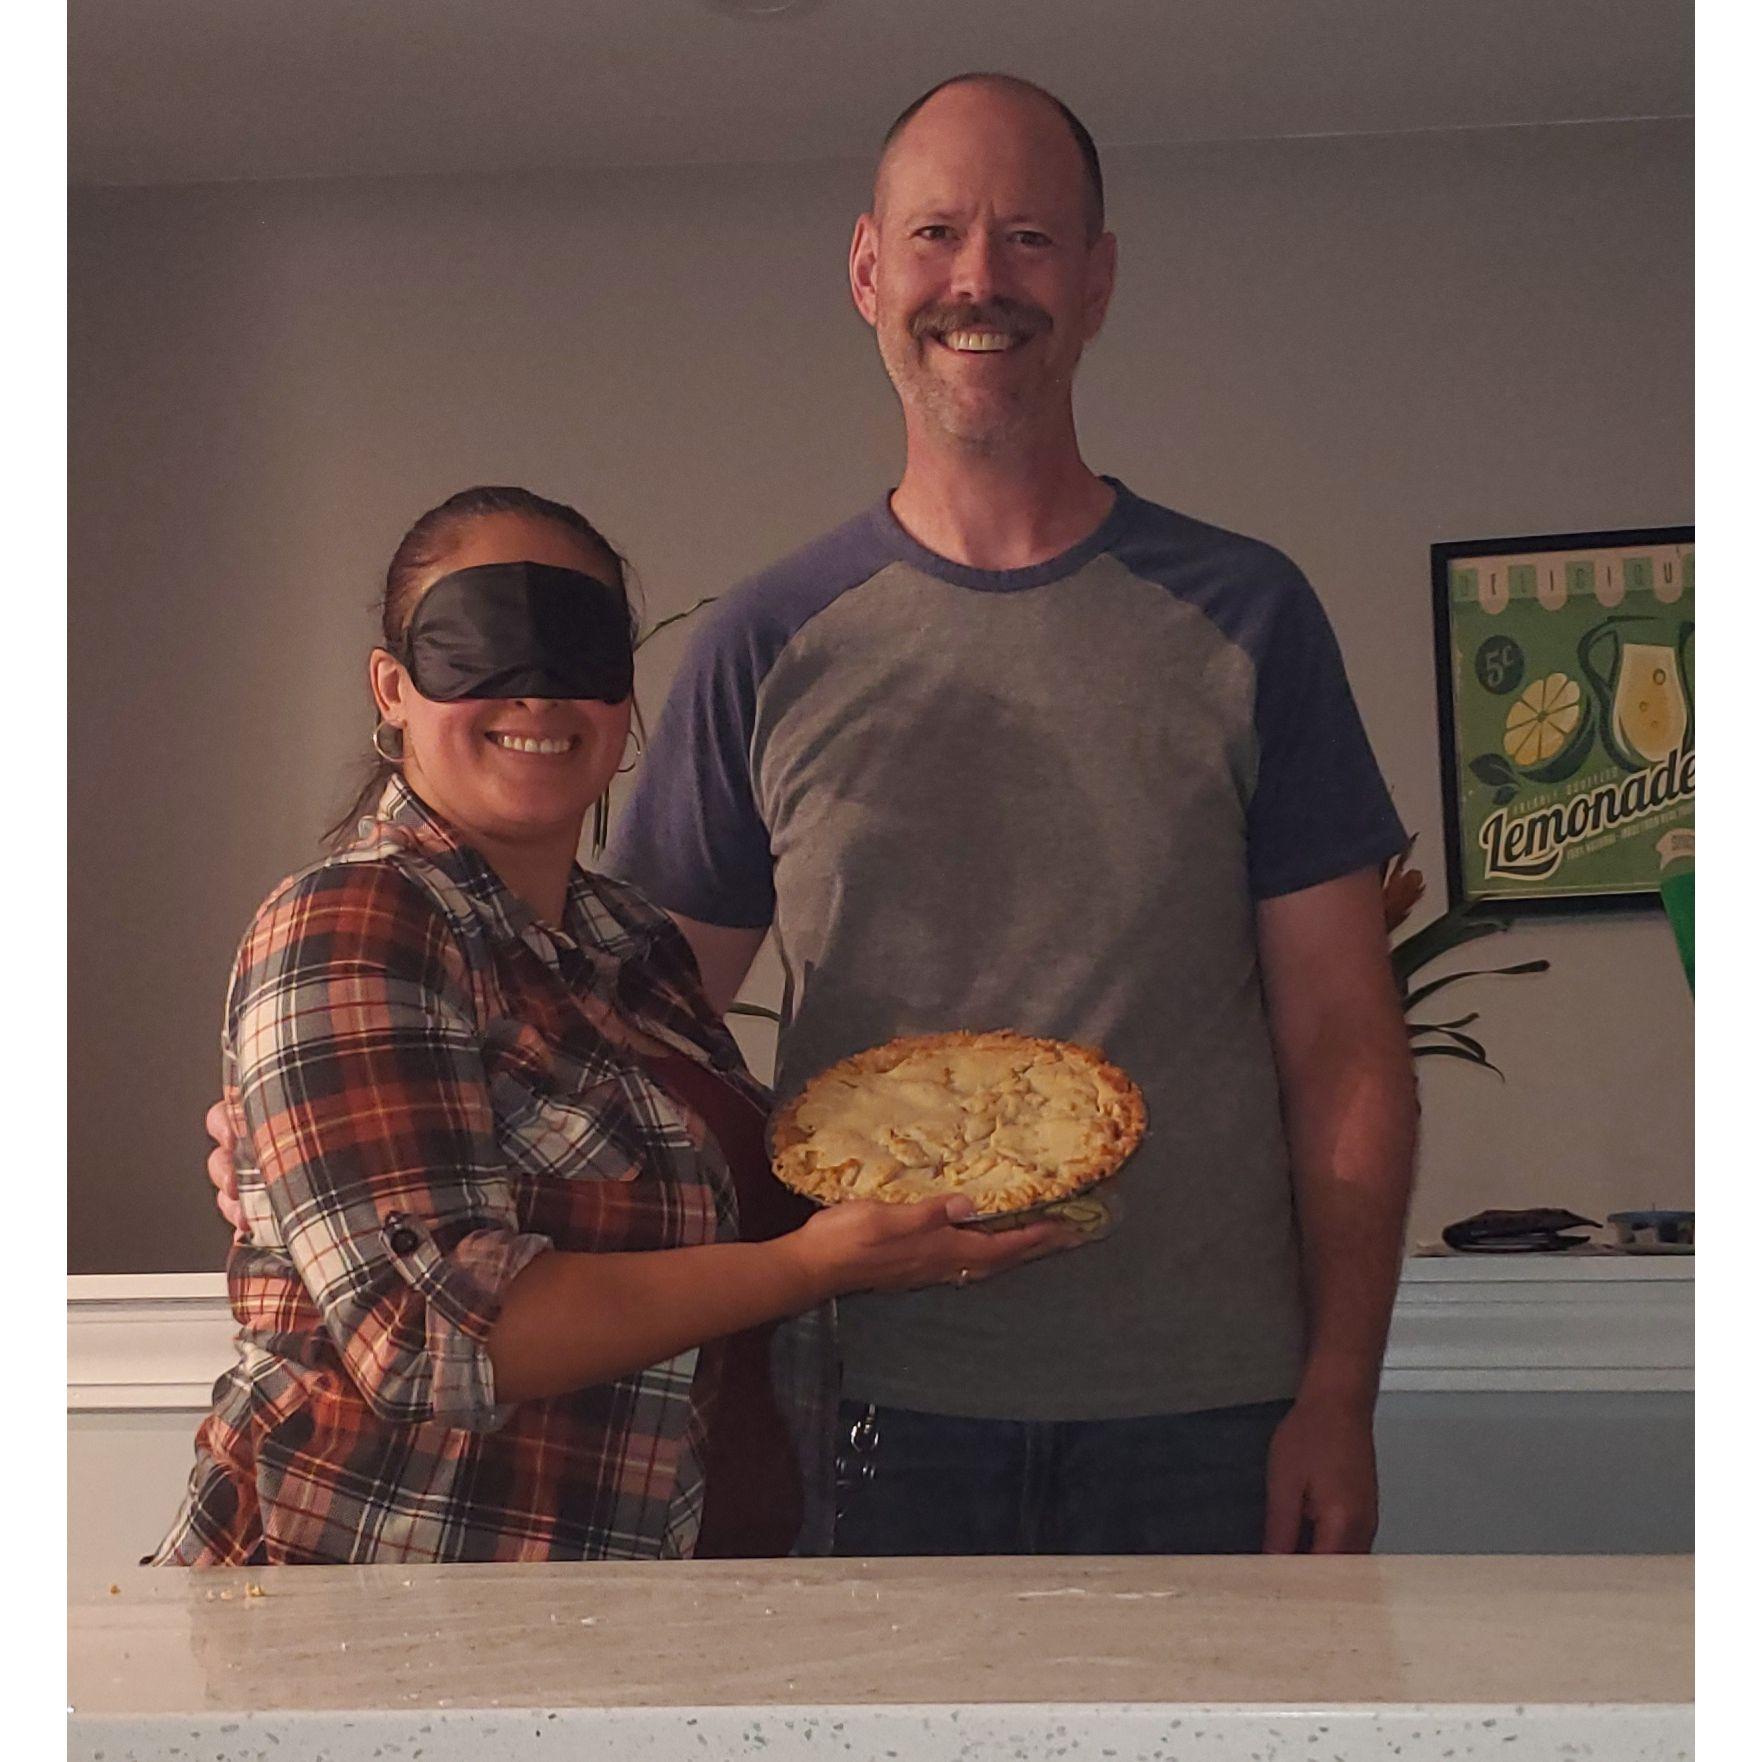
[511, 1254]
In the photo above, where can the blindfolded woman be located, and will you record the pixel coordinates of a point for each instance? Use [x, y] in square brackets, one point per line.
[512, 1279]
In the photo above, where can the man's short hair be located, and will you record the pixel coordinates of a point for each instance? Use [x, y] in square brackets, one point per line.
[1094, 200]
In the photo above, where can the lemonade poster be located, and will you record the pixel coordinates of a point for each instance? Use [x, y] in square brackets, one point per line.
[1572, 712]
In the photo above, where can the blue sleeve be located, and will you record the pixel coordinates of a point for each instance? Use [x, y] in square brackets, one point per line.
[1320, 808]
[690, 836]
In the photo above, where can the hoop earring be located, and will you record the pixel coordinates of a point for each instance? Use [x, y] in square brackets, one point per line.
[636, 735]
[382, 727]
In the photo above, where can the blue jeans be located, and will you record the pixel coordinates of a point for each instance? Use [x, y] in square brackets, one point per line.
[923, 1483]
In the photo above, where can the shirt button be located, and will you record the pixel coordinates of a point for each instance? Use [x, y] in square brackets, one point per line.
[404, 1240]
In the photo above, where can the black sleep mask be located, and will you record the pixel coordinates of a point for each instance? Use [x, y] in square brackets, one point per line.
[520, 630]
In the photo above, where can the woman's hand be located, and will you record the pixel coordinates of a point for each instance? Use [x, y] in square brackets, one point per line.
[865, 1245]
[221, 1173]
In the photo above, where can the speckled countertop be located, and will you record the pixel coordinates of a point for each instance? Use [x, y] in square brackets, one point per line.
[1510, 1656]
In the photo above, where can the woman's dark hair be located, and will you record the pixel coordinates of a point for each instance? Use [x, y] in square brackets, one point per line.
[428, 544]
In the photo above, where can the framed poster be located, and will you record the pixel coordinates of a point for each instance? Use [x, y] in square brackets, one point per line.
[1566, 715]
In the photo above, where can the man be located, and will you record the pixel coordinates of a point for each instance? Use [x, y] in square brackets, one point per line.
[1018, 749]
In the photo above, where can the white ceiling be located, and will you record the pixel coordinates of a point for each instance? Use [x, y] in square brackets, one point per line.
[174, 91]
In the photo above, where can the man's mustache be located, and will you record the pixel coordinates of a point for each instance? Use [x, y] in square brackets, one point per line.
[1014, 317]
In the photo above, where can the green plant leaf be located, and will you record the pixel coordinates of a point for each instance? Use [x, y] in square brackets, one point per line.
[675, 618]
[1457, 1052]
[1392, 864]
[602, 809]
[1420, 993]
[755, 1009]
[1441, 935]
[1432, 1027]
[1464, 1040]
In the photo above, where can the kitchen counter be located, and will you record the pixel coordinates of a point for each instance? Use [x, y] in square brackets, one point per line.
[1465, 1658]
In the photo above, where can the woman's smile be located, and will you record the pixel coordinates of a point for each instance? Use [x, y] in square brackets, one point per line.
[533, 745]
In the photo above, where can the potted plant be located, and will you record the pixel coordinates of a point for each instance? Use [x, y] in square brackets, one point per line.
[1403, 887]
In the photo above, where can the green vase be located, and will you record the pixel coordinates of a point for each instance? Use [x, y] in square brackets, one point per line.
[1676, 886]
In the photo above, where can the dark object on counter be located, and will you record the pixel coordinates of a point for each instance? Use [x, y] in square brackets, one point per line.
[1536, 1231]
[1654, 1232]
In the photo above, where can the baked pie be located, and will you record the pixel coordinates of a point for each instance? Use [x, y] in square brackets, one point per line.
[1010, 1121]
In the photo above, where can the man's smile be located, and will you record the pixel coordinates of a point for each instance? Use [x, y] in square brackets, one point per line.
[979, 342]
[991, 327]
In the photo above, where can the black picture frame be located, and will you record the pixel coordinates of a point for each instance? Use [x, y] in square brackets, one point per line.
[1443, 554]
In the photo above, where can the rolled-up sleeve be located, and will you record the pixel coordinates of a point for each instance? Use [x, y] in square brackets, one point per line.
[367, 1109]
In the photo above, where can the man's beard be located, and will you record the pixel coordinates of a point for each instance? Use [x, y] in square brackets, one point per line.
[987, 424]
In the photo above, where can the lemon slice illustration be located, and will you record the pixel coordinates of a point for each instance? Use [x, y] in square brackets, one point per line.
[1542, 725]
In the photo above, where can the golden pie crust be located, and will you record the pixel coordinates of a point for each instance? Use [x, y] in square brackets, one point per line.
[1008, 1120]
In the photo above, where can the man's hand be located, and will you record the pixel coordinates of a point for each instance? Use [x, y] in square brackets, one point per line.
[1321, 1480]
[220, 1168]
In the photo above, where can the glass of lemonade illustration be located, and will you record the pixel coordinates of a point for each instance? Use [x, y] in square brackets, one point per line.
[1651, 713]
[1635, 666]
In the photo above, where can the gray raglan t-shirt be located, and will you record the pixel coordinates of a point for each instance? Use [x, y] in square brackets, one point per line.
[1045, 799]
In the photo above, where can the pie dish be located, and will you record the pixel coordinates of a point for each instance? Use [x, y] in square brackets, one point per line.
[1010, 1121]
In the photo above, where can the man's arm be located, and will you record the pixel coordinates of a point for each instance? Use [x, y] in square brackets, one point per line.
[725, 956]
[1347, 1084]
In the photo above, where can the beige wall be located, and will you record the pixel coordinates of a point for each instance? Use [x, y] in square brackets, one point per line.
[1350, 347]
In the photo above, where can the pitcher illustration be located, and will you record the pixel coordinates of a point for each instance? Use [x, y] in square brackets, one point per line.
[1637, 666]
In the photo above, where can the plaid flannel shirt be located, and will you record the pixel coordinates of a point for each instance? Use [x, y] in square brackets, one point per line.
[428, 1089]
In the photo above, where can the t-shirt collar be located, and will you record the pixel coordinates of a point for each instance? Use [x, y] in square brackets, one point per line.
[900, 544]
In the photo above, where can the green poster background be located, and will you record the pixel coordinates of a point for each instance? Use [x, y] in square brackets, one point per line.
[1570, 714]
